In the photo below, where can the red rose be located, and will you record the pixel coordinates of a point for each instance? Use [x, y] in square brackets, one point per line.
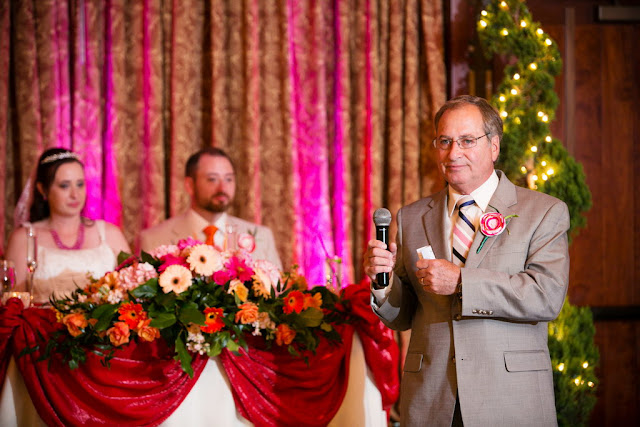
[492, 224]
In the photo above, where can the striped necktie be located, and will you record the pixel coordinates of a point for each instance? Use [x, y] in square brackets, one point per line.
[463, 232]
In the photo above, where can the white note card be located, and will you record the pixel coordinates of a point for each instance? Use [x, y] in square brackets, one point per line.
[425, 252]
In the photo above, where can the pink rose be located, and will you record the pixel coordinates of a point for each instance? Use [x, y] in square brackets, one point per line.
[246, 242]
[492, 224]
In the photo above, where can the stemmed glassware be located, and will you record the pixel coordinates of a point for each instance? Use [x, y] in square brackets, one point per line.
[8, 276]
[32, 258]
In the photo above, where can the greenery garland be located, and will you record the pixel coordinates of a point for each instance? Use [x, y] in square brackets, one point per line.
[532, 157]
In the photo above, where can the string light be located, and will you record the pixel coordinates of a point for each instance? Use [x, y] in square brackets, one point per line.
[516, 76]
[544, 177]
[523, 23]
[540, 113]
[548, 138]
[539, 31]
[503, 4]
[545, 118]
[514, 91]
[585, 365]
[560, 367]
[548, 42]
[590, 384]
[504, 32]
[484, 13]
[502, 98]
[533, 66]
[523, 169]
[534, 149]
[503, 114]
[517, 120]
[483, 24]
[550, 171]
[543, 163]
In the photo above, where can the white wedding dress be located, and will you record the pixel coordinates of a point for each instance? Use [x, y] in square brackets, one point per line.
[61, 271]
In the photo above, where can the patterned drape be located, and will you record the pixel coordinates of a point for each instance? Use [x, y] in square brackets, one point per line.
[325, 106]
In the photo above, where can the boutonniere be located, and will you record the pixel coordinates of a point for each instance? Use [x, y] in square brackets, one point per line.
[492, 224]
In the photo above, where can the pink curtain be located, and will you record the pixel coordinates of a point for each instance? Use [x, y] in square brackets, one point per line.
[325, 107]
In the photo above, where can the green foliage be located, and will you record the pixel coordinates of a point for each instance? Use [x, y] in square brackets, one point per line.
[571, 345]
[527, 102]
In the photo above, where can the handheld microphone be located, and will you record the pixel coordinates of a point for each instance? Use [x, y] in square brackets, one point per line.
[382, 220]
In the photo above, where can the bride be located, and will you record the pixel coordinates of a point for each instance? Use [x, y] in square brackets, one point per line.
[69, 246]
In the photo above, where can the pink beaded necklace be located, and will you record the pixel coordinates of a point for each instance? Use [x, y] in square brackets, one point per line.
[79, 240]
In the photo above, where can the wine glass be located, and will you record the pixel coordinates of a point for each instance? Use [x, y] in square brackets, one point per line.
[8, 274]
[32, 258]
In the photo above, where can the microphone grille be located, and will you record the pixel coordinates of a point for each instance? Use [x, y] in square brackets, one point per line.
[382, 217]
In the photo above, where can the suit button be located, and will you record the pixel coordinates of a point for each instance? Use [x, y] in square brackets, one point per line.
[458, 317]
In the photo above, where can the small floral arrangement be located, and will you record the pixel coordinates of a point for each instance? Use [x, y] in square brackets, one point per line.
[492, 224]
[199, 300]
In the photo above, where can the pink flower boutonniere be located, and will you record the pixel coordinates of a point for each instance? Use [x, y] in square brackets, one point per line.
[247, 242]
[492, 224]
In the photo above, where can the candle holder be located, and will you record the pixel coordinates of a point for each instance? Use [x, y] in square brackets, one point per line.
[333, 273]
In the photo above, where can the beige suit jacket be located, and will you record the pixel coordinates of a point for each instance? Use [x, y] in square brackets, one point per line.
[490, 347]
[180, 227]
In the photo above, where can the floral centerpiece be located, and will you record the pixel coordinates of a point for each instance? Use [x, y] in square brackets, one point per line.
[199, 300]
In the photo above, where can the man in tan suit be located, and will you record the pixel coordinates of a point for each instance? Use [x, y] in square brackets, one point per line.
[478, 315]
[210, 180]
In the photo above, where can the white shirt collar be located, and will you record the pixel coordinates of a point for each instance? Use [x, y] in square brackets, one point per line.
[482, 195]
[200, 223]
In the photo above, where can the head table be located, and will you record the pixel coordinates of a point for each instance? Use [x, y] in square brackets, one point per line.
[350, 383]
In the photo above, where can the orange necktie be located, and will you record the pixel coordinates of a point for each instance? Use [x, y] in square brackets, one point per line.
[210, 231]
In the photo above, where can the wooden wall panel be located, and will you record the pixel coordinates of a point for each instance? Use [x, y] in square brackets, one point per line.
[587, 249]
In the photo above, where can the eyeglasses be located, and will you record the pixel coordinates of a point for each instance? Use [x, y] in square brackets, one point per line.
[463, 142]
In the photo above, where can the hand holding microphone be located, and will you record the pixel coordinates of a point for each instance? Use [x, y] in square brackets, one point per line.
[380, 257]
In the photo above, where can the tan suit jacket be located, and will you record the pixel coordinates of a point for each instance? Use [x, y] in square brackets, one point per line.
[180, 227]
[490, 347]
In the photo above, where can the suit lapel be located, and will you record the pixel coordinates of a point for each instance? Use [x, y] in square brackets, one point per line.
[432, 221]
[502, 201]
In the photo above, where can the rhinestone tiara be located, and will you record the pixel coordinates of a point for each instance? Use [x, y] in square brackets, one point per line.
[59, 156]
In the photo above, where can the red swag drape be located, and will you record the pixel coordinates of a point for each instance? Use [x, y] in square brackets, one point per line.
[144, 384]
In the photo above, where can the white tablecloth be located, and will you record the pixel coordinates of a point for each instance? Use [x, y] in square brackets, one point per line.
[210, 401]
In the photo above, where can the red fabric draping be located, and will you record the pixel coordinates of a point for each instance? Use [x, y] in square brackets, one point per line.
[272, 388]
[143, 386]
[381, 350]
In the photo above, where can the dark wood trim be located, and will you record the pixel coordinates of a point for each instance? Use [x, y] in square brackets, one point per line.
[570, 79]
[626, 312]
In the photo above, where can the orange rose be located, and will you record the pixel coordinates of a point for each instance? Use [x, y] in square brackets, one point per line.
[248, 313]
[146, 332]
[75, 323]
[284, 334]
[119, 334]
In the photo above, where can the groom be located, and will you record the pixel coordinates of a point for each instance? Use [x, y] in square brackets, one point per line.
[210, 180]
[478, 305]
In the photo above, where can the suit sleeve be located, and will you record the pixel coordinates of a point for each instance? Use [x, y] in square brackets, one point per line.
[397, 310]
[525, 281]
